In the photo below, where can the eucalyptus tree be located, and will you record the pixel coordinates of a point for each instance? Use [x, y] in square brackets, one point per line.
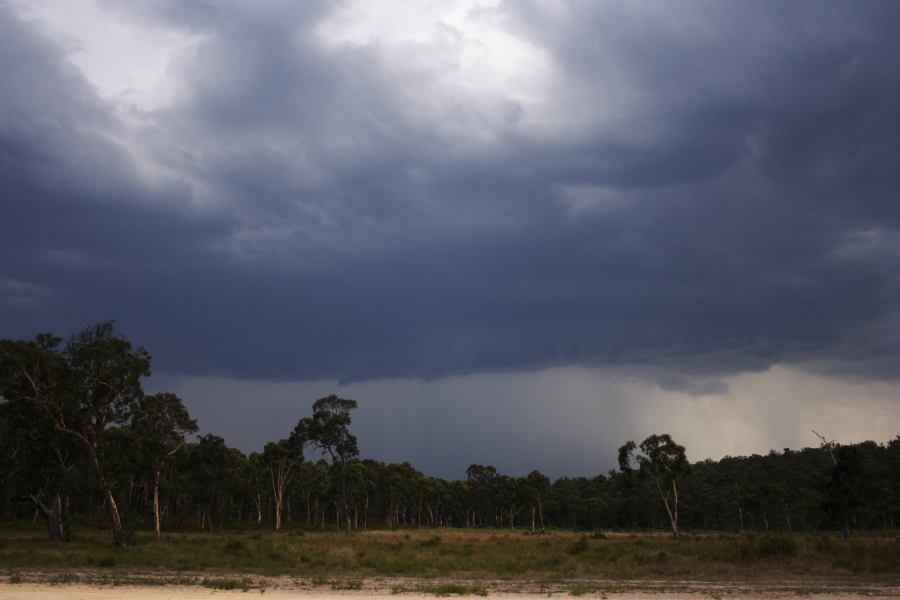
[361, 480]
[509, 498]
[566, 498]
[328, 430]
[366, 477]
[36, 464]
[846, 490]
[399, 479]
[217, 474]
[90, 384]
[280, 460]
[120, 455]
[483, 482]
[34, 374]
[461, 493]
[663, 462]
[321, 485]
[161, 425]
[536, 486]
[256, 478]
[437, 501]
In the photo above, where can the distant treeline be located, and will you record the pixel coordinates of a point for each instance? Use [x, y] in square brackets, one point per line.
[79, 440]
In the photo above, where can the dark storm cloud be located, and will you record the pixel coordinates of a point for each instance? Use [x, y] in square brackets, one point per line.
[321, 216]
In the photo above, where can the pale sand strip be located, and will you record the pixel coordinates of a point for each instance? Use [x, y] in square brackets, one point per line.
[31, 591]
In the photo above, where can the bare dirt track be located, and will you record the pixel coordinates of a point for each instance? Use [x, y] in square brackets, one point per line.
[631, 591]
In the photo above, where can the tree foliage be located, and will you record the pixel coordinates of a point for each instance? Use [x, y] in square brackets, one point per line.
[80, 390]
[77, 432]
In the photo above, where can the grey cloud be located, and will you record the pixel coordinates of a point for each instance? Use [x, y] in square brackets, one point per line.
[315, 224]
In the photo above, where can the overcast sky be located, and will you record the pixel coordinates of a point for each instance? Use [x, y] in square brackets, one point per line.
[518, 233]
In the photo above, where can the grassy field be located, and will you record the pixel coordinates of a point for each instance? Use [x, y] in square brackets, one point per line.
[329, 558]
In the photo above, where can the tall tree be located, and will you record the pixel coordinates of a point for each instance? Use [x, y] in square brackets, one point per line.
[280, 459]
[537, 486]
[94, 382]
[663, 462]
[161, 424]
[40, 459]
[328, 430]
[256, 477]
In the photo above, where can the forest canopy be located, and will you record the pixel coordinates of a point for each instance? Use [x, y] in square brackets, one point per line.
[80, 440]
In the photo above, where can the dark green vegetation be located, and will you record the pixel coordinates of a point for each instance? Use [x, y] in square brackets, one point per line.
[81, 444]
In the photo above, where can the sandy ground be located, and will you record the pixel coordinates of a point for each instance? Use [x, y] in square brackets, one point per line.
[34, 591]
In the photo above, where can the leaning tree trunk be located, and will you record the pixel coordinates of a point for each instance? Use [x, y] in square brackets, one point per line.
[113, 508]
[118, 530]
[673, 515]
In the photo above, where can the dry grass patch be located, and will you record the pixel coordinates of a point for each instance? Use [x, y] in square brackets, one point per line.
[317, 555]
